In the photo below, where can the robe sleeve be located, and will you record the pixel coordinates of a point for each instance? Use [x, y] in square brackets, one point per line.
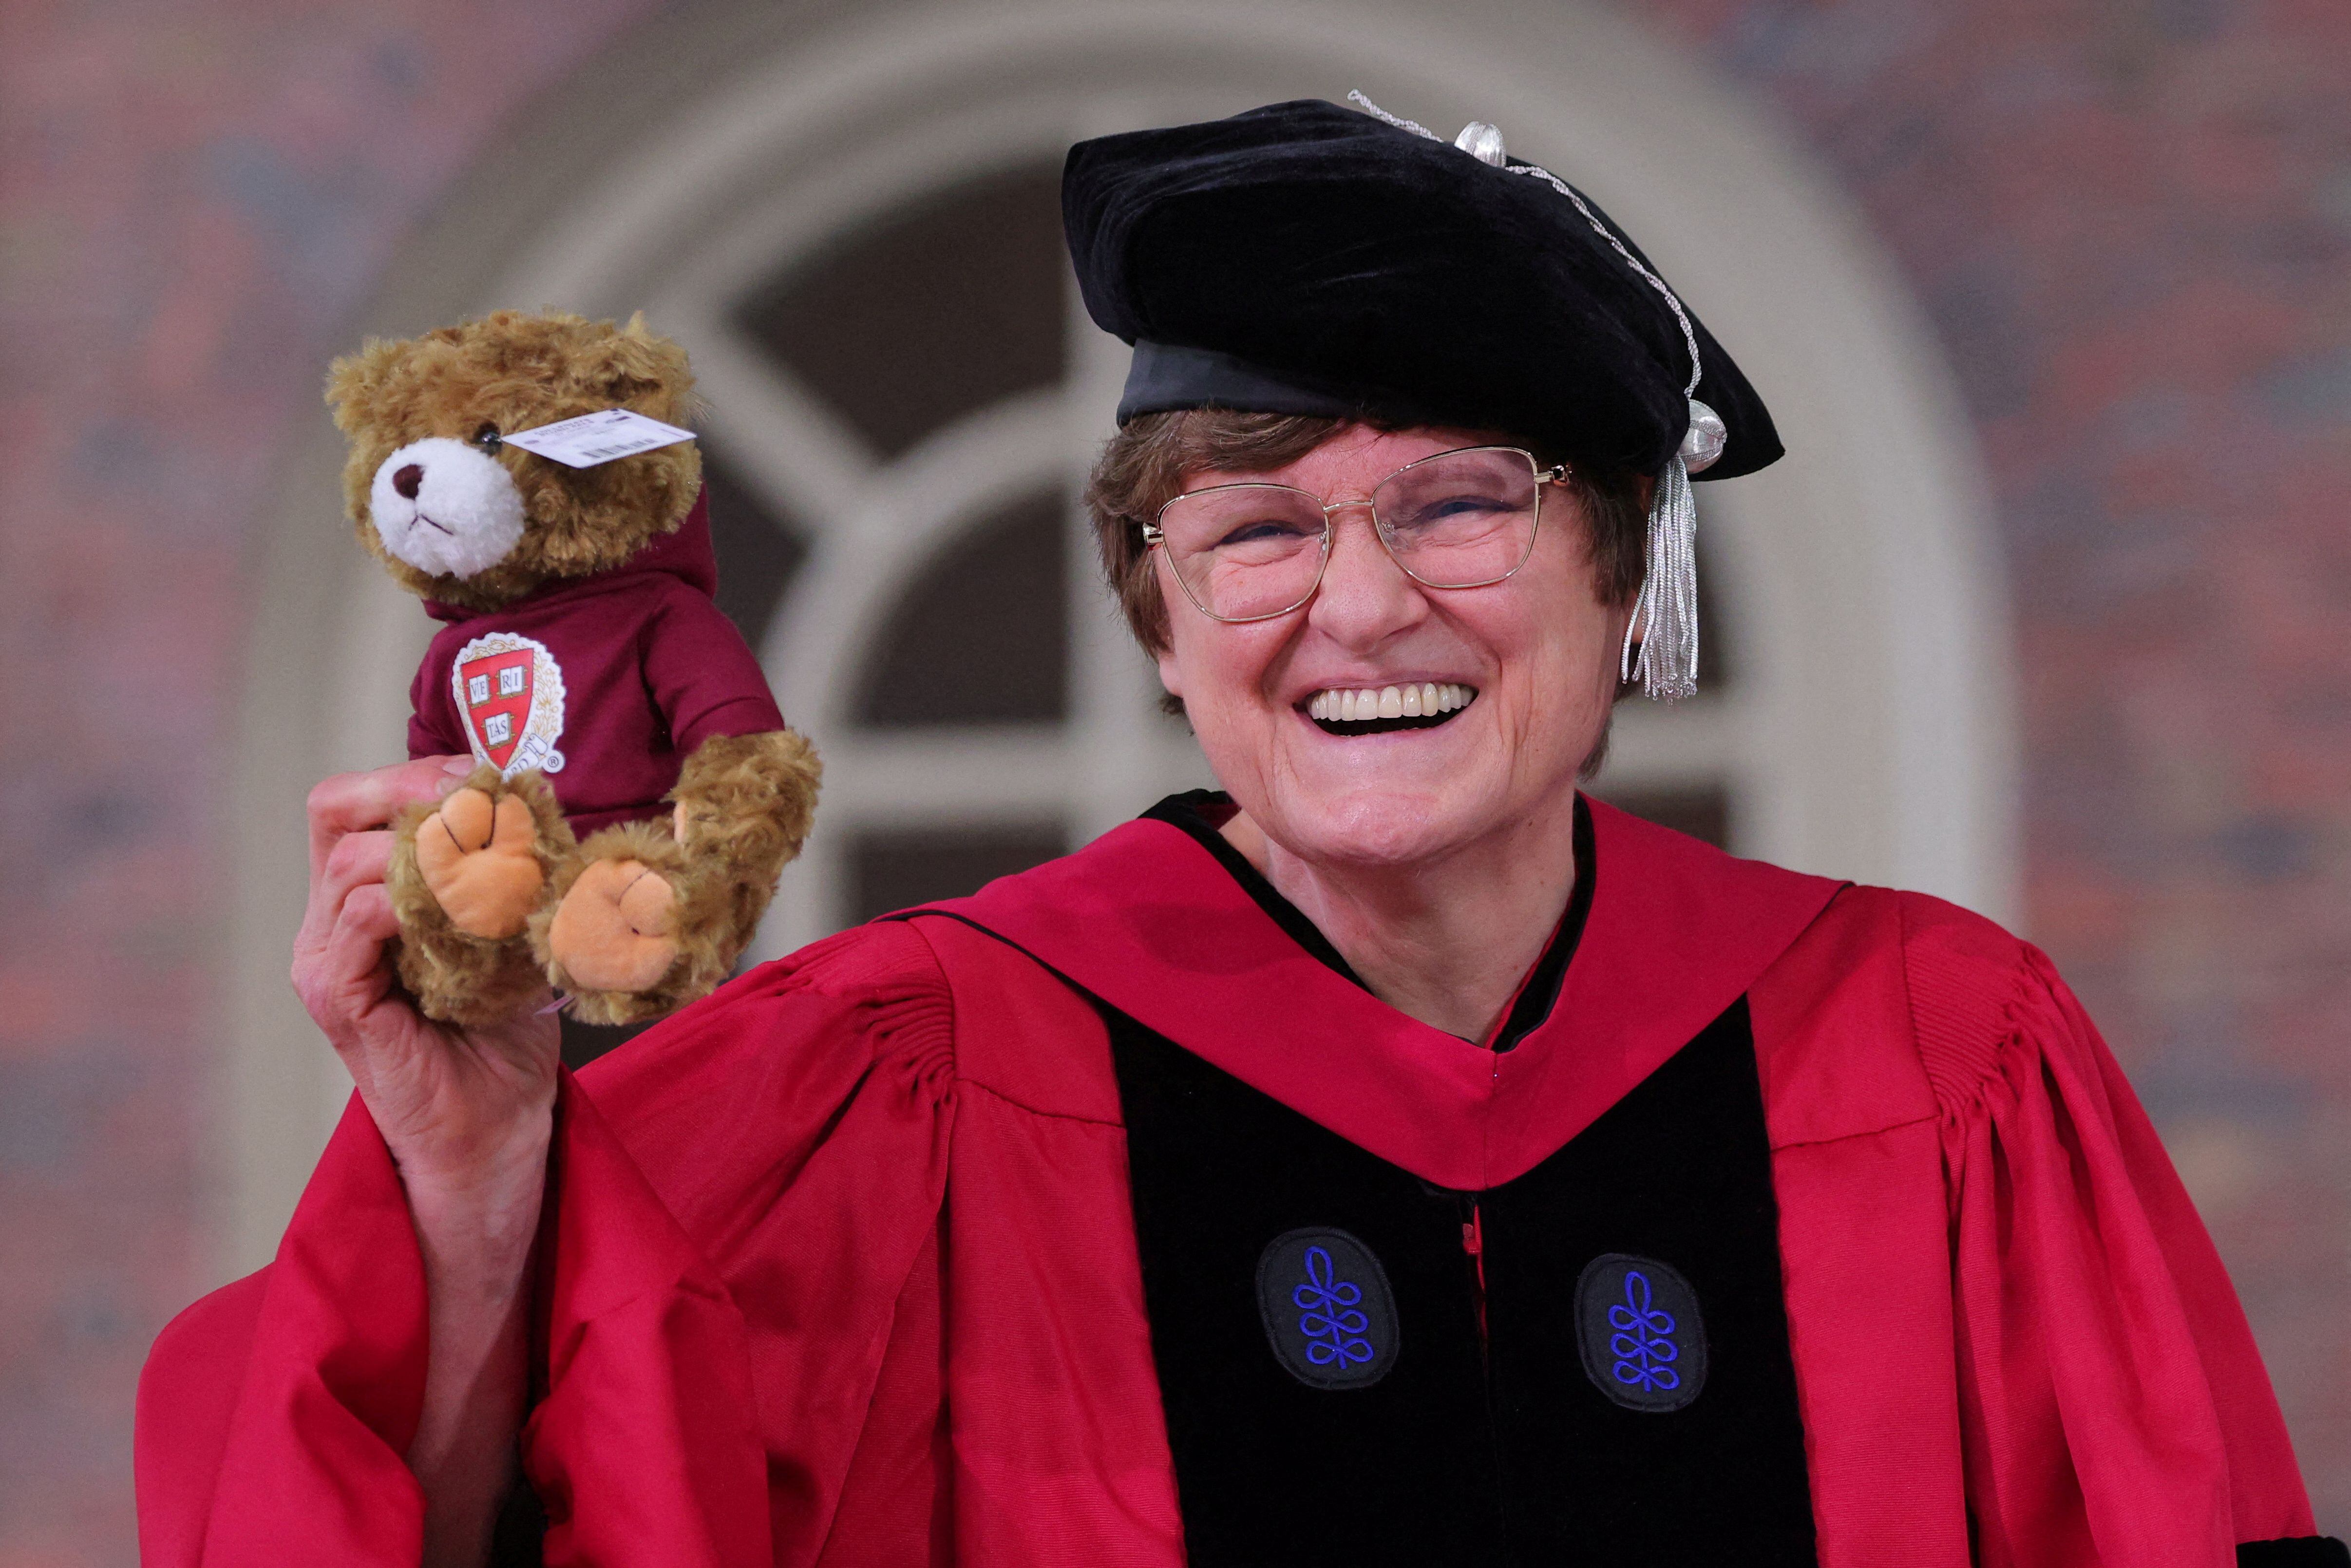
[2112, 1405]
[709, 1156]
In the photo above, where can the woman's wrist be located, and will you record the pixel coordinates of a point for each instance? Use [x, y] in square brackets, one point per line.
[477, 1222]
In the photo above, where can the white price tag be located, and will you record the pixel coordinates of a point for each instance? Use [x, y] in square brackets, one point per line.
[594, 438]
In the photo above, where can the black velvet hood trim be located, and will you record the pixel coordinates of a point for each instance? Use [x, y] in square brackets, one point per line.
[1319, 256]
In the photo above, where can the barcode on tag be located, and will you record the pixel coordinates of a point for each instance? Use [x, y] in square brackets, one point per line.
[594, 438]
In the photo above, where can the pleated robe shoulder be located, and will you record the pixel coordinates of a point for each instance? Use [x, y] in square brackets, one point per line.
[842, 1264]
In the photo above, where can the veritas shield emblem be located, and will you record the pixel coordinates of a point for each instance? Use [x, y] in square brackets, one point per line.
[510, 690]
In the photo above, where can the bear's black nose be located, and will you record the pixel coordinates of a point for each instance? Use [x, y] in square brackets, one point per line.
[409, 479]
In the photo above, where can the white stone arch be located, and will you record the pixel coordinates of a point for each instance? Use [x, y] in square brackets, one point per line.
[1869, 738]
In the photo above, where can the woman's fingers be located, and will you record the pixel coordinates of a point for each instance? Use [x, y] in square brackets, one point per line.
[356, 860]
[366, 924]
[349, 972]
[354, 802]
[347, 814]
[357, 1004]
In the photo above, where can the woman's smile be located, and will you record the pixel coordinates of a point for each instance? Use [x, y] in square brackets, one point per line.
[1383, 709]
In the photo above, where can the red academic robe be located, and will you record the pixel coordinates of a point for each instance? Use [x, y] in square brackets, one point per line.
[840, 1266]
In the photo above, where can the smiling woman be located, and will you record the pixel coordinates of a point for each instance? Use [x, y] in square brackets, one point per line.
[1275, 1145]
[1332, 605]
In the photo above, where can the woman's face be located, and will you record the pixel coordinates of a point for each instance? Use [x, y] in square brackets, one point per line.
[1537, 655]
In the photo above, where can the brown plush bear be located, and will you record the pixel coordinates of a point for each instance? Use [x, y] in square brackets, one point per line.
[637, 793]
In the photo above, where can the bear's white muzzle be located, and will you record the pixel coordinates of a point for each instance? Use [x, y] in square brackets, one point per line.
[445, 507]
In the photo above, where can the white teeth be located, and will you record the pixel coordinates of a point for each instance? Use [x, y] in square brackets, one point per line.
[1359, 704]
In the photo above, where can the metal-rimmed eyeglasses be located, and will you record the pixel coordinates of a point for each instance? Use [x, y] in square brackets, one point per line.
[1250, 551]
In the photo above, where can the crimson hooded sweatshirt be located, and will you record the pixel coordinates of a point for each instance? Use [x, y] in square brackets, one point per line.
[605, 684]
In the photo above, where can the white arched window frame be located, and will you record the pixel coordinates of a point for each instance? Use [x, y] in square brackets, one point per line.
[1867, 737]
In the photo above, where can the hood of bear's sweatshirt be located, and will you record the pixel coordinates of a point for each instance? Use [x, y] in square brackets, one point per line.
[684, 552]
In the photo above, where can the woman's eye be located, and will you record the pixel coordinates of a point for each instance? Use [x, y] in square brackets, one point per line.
[1449, 509]
[1257, 533]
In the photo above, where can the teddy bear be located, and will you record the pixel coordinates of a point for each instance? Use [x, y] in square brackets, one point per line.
[636, 793]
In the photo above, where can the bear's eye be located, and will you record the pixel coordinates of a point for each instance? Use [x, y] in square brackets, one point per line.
[487, 437]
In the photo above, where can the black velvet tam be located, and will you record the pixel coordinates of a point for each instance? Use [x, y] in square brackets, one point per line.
[1306, 259]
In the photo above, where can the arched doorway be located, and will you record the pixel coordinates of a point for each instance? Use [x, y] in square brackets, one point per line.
[849, 221]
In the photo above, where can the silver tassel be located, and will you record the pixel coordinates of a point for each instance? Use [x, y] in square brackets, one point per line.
[1664, 627]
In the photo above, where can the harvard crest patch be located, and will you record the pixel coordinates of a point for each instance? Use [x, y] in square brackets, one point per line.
[509, 691]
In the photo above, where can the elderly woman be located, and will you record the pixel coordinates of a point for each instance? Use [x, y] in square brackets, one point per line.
[1393, 1158]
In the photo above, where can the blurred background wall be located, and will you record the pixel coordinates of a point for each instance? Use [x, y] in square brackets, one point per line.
[2049, 611]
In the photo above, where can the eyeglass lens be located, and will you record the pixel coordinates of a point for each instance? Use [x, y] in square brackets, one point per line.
[1460, 520]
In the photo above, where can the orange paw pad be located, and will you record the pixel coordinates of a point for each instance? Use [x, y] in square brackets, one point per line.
[612, 930]
[478, 859]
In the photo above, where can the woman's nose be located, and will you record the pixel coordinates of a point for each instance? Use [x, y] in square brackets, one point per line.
[408, 479]
[1366, 596]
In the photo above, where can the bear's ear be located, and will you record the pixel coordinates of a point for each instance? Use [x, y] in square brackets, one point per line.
[647, 371]
[355, 382]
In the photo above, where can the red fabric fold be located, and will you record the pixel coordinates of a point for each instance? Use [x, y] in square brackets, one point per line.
[2015, 1345]
[1865, 1252]
[2115, 1407]
[644, 1448]
[327, 1345]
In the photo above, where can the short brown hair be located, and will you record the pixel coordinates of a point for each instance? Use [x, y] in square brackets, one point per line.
[1147, 464]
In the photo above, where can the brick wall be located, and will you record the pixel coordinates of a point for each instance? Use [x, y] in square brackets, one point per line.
[2130, 221]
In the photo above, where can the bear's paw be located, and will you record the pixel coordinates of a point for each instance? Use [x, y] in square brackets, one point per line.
[480, 859]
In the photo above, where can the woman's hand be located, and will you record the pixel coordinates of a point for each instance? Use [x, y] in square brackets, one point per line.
[462, 1110]
[468, 1116]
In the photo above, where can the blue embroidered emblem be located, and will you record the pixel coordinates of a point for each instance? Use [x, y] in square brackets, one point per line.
[1327, 1314]
[1639, 1326]
[1328, 1311]
[1643, 1341]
